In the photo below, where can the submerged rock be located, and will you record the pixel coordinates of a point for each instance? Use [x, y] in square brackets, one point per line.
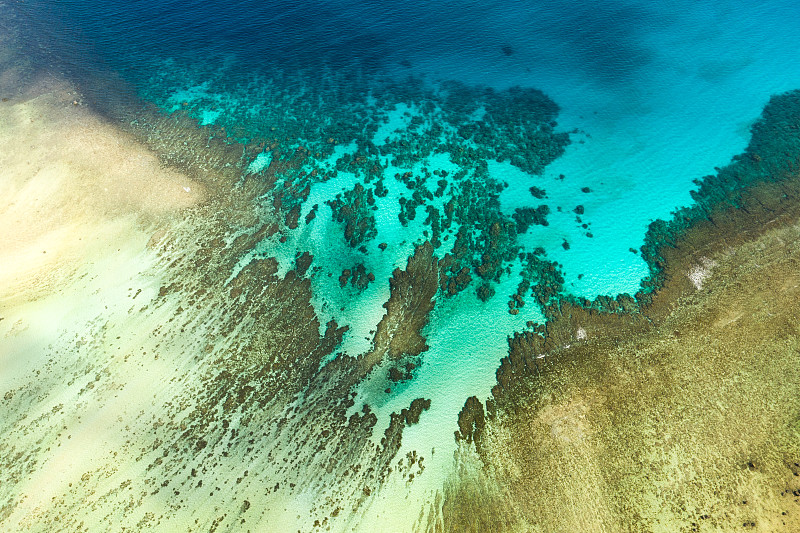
[528, 216]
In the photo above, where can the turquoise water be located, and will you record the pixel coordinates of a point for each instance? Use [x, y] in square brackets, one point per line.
[699, 76]
[648, 126]
[660, 94]
[642, 98]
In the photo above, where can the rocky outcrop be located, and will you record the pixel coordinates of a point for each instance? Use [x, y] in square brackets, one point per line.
[411, 299]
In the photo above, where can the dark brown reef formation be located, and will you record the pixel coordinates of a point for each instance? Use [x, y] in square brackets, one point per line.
[676, 411]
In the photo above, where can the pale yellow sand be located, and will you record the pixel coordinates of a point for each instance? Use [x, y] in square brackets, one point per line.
[99, 373]
[74, 189]
[79, 202]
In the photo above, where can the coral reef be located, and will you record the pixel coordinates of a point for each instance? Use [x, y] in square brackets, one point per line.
[412, 293]
[587, 407]
[528, 216]
[354, 209]
[357, 277]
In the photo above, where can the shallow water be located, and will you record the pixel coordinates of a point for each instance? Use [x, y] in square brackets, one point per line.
[649, 98]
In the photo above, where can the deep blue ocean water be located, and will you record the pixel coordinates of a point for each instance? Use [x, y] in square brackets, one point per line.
[654, 95]
[603, 41]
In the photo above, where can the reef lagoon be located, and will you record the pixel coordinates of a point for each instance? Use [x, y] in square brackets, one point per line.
[454, 266]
